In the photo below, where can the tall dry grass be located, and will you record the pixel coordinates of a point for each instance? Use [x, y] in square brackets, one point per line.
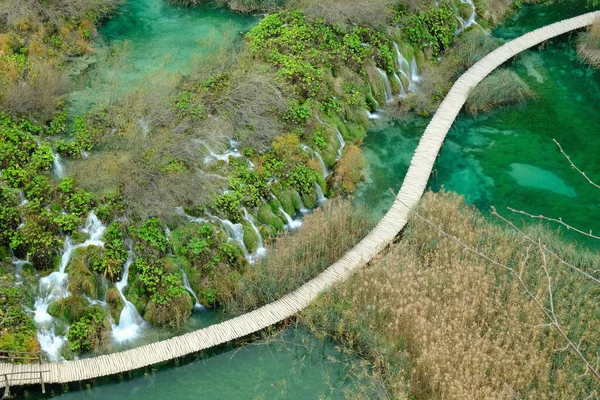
[588, 44]
[503, 87]
[441, 322]
[296, 257]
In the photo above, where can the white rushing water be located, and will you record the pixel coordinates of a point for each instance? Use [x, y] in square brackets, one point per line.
[414, 71]
[235, 232]
[342, 143]
[261, 251]
[465, 23]
[130, 321]
[400, 85]
[188, 287]
[59, 168]
[407, 70]
[320, 196]
[231, 152]
[303, 209]
[19, 268]
[387, 86]
[324, 170]
[55, 287]
[292, 224]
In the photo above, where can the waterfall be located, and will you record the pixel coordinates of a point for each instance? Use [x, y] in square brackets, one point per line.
[387, 86]
[464, 24]
[292, 224]
[320, 196]
[408, 70]
[261, 251]
[372, 115]
[373, 97]
[342, 144]
[401, 85]
[186, 285]
[414, 70]
[18, 268]
[235, 233]
[303, 209]
[130, 321]
[231, 152]
[55, 287]
[59, 169]
[325, 171]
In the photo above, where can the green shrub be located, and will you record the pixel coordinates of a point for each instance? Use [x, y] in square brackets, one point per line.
[434, 28]
[87, 333]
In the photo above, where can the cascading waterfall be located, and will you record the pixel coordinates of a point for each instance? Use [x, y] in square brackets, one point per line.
[326, 172]
[231, 152]
[130, 321]
[188, 287]
[292, 224]
[400, 85]
[235, 233]
[320, 196]
[54, 287]
[18, 268]
[303, 209]
[464, 24]
[407, 70]
[373, 115]
[59, 169]
[342, 143]
[414, 71]
[387, 86]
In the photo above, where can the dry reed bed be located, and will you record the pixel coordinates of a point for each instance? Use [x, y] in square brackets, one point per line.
[410, 193]
[441, 322]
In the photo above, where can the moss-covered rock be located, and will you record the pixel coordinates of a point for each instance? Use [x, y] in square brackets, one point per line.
[69, 309]
[310, 199]
[115, 303]
[250, 237]
[82, 281]
[173, 314]
[267, 217]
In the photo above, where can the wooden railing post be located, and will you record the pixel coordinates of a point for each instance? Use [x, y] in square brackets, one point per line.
[6, 388]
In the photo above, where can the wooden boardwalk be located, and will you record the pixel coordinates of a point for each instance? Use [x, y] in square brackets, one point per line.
[410, 193]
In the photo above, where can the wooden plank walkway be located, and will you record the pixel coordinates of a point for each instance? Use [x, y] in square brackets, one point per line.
[410, 193]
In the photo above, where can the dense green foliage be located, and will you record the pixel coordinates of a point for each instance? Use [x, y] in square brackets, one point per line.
[86, 334]
[52, 209]
[433, 28]
[304, 50]
[17, 330]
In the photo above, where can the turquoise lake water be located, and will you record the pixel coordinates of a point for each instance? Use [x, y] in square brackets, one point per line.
[507, 158]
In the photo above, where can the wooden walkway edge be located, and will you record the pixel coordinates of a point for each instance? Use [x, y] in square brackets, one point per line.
[410, 193]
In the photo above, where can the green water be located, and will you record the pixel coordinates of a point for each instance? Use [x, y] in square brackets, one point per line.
[507, 158]
[289, 365]
[147, 41]
[531, 17]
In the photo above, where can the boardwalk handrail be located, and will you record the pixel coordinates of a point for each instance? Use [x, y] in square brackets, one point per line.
[390, 225]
